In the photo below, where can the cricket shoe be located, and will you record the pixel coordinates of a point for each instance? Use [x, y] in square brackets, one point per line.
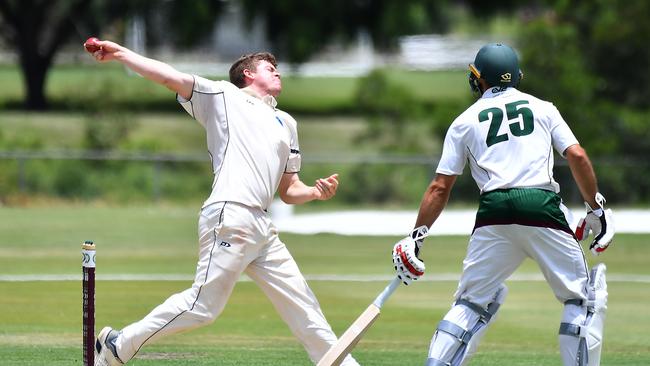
[105, 351]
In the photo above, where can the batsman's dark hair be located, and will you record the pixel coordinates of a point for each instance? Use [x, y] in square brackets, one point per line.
[248, 61]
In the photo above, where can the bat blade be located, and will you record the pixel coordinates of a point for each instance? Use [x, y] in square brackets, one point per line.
[350, 338]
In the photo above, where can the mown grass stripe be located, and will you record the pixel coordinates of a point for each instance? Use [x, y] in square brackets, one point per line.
[637, 278]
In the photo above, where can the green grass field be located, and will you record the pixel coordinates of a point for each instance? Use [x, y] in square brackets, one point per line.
[40, 321]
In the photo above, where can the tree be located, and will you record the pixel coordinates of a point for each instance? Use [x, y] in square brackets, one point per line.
[596, 55]
[614, 38]
[299, 28]
[38, 29]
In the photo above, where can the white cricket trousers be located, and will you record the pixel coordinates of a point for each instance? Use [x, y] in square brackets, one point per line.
[495, 252]
[234, 238]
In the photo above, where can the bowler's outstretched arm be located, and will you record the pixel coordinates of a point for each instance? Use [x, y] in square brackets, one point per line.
[154, 70]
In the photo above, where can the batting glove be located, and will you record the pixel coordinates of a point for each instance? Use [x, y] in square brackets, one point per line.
[601, 222]
[406, 260]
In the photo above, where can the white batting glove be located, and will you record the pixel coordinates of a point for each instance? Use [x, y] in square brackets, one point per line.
[601, 222]
[408, 265]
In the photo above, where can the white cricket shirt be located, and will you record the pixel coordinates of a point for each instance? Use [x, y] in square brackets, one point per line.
[250, 142]
[508, 138]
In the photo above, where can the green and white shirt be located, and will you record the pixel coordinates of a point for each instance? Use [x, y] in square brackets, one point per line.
[508, 138]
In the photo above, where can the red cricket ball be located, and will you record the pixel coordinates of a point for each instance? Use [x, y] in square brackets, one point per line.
[91, 45]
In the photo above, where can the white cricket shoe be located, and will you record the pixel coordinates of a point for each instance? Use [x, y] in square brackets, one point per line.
[105, 352]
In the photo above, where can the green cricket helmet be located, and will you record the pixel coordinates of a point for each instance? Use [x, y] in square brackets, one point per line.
[497, 64]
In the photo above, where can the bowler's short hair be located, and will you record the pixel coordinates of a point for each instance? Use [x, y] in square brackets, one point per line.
[248, 61]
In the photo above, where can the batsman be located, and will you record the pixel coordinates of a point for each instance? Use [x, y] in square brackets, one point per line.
[507, 137]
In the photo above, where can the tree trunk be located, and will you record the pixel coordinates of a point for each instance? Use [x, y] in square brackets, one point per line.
[34, 74]
[37, 29]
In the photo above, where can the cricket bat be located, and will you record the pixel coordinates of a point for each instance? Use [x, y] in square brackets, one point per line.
[355, 332]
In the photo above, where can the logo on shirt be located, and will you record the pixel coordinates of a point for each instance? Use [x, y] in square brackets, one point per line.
[279, 120]
[224, 244]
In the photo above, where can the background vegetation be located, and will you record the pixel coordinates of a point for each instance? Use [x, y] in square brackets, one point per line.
[580, 56]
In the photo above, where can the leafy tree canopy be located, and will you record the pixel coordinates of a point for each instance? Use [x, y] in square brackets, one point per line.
[590, 59]
[299, 28]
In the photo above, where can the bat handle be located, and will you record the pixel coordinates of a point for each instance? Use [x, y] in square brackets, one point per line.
[384, 295]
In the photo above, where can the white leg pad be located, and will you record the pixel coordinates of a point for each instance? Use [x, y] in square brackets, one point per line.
[460, 332]
[581, 343]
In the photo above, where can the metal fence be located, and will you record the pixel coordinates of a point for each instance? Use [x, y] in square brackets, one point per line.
[365, 178]
[159, 165]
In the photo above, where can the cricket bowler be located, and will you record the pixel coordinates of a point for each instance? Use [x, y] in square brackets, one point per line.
[254, 152]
